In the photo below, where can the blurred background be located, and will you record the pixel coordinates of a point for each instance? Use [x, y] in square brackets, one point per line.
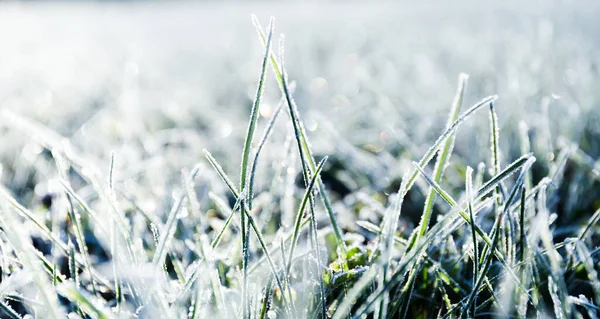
[157, 82]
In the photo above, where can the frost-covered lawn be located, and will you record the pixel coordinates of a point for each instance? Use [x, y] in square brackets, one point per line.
[156, 163]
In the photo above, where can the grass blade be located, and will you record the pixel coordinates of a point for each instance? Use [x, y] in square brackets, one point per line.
[90, 307]
[303, 141]
[468, 186]
[486, 264]
[261, 144]
[9, 312]
[522, 237]
[76, 218]
[300, 213]
[590, 224]
[519, 163]
[248, 215]
[444, 154]
[26, 254]
[217, 238]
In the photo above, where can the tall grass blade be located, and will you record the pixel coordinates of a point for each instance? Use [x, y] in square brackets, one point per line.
[486, 264]
[525, 149]
[267, 132]
[248, 215]
[244, 177]
[113, 238]
[522, 236]
[494, 139]
[386, 246]
[444, 154]
[468, 187]
[300, 213]
[304, 144]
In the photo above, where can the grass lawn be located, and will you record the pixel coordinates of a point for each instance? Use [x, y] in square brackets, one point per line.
[186, 160]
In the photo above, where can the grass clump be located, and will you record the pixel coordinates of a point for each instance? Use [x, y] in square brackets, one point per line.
[484, 245]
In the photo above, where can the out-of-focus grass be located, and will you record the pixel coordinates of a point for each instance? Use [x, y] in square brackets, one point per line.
[168, 90]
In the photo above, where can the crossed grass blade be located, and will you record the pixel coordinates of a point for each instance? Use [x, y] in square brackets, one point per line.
[248, 215]
[303, 140]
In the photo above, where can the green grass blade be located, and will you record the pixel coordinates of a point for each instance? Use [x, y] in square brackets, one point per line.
[444, 154]
[468, 187]
[114, 237]
[494, 137]
[389, 226]
[525, 148]
[287, 239]
[304, 144]
[248, 215]
[217, 288]
[266, 252]
[343, 310]
[244, 169]
[70, 291]
[261, 144]
[219, 169]
[266, 299]
[513, 167]
[486, 264]
[376, 230]
[590, 224]
[300, 213]
[445, 135]
[31, 217]
[522, 237]
[217, 238]
[254, 110]
[446, 225]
